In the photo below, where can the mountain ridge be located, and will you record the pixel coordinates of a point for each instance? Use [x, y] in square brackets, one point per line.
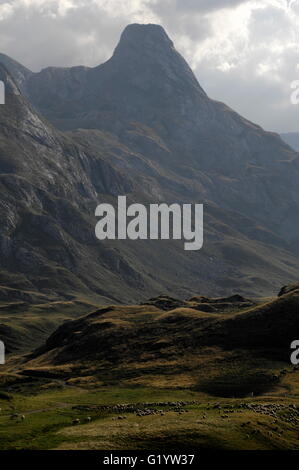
[168, 331]
[143, 127]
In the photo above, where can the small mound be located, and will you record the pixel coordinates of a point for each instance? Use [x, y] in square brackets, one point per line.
[182, 315]
[164, 302]
[289, 289]
[208, 308]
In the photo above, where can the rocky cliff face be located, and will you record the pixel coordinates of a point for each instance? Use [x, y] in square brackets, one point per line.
[141, 125]
[48, 195]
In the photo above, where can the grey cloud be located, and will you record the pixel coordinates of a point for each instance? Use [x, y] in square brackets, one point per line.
[195, 26]
[85, 35]
[38, 36]
[194, 6]
[260, 100]
[261, 97]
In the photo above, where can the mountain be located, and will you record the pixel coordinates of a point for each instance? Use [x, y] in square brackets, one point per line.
[138, 125]
[48, 196]
[149, 98]
[97, 357]
[292, 139]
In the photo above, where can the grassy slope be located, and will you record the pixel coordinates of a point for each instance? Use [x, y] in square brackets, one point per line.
[153, 358]
[270, 422]
[25, 326]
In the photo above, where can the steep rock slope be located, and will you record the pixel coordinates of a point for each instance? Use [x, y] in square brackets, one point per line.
[141, 125]
[49, 192]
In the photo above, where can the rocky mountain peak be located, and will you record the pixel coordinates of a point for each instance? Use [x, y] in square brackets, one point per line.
[143, 37]
[9, 82]
[18, 115]
[17, 70]
[145, 53]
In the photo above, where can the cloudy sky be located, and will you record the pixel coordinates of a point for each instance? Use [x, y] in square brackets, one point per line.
[244, 52]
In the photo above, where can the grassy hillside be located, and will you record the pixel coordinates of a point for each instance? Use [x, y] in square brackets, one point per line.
[210, 373]
[168, 341]
[144, 418]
